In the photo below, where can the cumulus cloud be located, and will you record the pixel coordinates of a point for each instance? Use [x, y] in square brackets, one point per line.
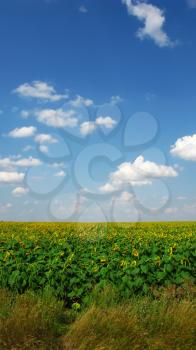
[57, 118]
[44, 149]
[28, 162]
[81, 101]
[87, 128]
[153, 18]
[19, 191]
[40, 90]
[126, 196]
[61, 173]
[11, 177]
[14, 162]
[138, 173]
[25, 131]
[42, 138]
[185, 148]
[107, 122]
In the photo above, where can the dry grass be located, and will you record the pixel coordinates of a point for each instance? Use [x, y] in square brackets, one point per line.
[28, 321]
[163, 324]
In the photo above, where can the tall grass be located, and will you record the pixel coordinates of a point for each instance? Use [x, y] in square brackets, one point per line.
[165, 321]
[29, 321]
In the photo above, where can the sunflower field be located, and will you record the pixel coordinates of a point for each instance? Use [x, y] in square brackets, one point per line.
[72, 259]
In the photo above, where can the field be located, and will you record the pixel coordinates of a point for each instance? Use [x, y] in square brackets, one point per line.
[72, 259]
[140, 264]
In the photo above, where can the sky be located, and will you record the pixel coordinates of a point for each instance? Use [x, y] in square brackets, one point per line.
[97, 110]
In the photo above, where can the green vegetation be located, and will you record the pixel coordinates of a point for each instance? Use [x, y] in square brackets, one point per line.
[97, 286]
[72, 259]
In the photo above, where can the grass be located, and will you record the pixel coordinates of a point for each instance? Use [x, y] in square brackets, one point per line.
[162, 327]
[165, 321]
[29, 321]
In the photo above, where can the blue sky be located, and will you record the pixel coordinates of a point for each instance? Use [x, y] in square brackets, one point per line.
[97, 110]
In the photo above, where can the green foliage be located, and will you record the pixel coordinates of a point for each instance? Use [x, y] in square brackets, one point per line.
[71, 259]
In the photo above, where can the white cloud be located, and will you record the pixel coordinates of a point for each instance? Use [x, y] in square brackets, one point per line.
[20, 191]
[87, 128]
[44, 149]
[126, 196]
[108, 122]
[185, 148]
[13, 162]
[40, 90]
[25, 131]
[138, 173]
[61, 173]
[81, 101]
[42, 138]
[57, 118]
[11, 177]
[83, 9]
[28, 162]
[153, 18]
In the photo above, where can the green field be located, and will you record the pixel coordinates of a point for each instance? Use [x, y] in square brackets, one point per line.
[74, 258]
[97, 286]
